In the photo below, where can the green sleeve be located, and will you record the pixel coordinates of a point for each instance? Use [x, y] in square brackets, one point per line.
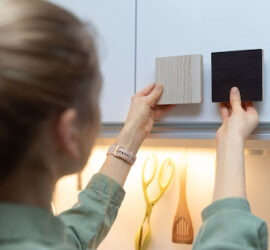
[228, 224]
[89, 221]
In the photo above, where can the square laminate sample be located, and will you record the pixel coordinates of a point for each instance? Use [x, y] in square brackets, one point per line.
[243, 69]
[181, 77]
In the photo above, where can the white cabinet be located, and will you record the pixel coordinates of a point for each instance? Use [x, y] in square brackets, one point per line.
[115, 25]
[130, 37]
[180, 27]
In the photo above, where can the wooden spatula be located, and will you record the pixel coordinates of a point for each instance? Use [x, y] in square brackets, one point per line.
[182, 225]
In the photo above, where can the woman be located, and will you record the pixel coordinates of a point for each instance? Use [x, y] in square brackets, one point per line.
[49, 117]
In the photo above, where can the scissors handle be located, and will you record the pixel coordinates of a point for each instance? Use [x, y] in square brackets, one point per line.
[163, 187]
[168, 163]
[144, 181]
[143, 235]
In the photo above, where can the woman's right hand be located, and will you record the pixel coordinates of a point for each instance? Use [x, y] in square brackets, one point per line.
[238, 120]
[142, 114]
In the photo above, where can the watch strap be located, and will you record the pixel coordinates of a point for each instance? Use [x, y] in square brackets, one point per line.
[122, 153]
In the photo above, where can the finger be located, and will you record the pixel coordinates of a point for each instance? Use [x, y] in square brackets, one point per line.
[250, 107]
[147, 90]
[155, 94]
[252, 112]
[235, 98]
[162, 110]
[224, 111]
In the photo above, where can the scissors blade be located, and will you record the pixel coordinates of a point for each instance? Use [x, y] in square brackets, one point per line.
[138, 239]
[146, 239]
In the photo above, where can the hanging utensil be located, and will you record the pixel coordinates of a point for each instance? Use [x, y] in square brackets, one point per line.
[143, 236]
[182, 225]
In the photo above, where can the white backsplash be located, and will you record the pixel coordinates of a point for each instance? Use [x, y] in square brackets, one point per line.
[200, 183]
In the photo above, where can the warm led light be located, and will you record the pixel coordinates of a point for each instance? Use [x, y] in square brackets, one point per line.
[200, 177]
[200, 182]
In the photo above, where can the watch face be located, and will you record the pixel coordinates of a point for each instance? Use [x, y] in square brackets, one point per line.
[122, 153]
[127, 156]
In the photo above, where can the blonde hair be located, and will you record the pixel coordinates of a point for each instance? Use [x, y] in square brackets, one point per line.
[48, 63]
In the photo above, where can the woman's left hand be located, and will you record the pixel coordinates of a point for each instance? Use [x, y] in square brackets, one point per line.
[238, 119]
[142, 114]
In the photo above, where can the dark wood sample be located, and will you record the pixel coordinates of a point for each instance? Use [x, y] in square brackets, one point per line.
[243, 69]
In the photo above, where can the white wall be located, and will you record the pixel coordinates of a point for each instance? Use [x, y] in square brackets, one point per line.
[199, 192]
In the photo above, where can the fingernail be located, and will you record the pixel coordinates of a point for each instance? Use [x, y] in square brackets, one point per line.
[234, 91]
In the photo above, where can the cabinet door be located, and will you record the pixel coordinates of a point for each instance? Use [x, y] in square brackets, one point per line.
[181, 27]
[115, 25]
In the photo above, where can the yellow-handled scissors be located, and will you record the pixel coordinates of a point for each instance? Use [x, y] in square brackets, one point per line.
[143, 234]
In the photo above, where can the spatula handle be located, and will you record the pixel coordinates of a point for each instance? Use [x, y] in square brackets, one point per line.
[183, 180]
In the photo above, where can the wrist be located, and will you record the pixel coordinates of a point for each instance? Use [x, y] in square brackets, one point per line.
[229, 150]
[230, 145]
[130, 138]
[230, 139]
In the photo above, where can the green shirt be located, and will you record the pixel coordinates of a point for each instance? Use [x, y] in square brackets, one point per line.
[228, 224]
[84, 225]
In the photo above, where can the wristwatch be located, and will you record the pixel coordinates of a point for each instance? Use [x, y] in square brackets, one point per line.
[122, 153]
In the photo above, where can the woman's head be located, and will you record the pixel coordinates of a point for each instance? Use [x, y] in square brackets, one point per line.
[49, 87]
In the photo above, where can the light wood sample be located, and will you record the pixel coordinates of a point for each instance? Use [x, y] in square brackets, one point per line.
[181, 77]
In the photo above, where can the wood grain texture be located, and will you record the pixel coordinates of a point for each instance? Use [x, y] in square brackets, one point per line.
[182, 224]
[243, 69]
[181, 77]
